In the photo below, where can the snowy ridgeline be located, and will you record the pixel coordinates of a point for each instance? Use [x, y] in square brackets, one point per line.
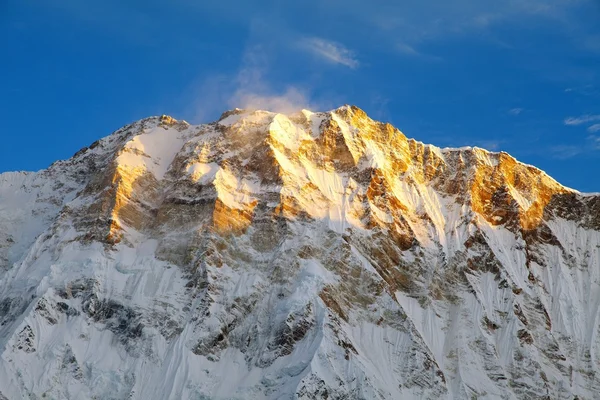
[312, 255]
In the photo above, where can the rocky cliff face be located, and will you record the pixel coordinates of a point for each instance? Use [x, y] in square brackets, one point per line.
[313, 255]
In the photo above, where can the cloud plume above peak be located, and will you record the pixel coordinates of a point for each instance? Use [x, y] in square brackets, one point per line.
[251, 87]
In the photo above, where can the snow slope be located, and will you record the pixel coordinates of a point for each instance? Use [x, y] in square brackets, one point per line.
[311, 255]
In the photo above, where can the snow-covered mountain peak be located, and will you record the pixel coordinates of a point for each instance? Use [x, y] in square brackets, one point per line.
[309, 255]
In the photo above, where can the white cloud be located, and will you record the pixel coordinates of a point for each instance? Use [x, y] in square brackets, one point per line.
[594, 128]
[585, 90]
[429, 21]
[250, 88]
[330, 51]
[253, 91]
[265, 98]
[595, 142]
[407, 49]
[515, 111]
[583, 119]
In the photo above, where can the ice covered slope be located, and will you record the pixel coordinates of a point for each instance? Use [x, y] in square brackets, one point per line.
[312, 255]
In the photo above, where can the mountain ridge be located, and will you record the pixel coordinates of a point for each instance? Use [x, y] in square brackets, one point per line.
[234, 111]
[308, 255]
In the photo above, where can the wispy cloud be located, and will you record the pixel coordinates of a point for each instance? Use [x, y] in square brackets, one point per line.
[255, 92]
[432, 18]
[583, 119]
[250, 88]
[585, 90]
[407, 50]
[331, 51]
[288, 100]
[515, 111]
[411, 51]
[593, 141]
[563, 152]
[590, 145]
[435, 21]
[594, 128]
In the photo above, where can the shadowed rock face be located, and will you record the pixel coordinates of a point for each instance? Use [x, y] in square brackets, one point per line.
[316, 255]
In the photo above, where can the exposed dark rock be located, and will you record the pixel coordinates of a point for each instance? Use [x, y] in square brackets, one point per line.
[43, 309]
[525, 336]
[25, 340]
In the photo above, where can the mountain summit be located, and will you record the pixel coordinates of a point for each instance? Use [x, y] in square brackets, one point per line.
[311, 255]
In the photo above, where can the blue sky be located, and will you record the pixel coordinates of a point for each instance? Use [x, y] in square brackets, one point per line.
[521, 76]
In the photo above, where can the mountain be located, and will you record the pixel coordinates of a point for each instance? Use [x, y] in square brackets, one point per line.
[311, 256]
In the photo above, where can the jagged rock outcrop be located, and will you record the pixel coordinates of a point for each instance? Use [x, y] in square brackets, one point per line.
[312, 255]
